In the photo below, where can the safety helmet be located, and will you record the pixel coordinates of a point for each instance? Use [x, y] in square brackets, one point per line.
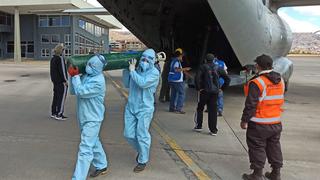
[179, 50]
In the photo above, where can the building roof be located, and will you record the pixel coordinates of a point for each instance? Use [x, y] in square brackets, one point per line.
[60, 7]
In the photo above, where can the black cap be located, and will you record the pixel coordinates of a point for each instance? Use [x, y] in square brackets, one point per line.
[210, 57]
[264, 61]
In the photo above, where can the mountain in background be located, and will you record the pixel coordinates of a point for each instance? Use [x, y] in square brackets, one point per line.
[122, 36]
[124, 41]
[305, 43]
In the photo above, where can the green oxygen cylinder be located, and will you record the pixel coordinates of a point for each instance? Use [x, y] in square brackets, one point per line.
[114, 60]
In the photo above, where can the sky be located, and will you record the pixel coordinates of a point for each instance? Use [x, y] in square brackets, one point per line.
[94, 2]
[97, 4]
[300, 19]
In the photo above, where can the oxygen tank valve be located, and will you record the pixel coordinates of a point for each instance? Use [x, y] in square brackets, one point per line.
[161, 56]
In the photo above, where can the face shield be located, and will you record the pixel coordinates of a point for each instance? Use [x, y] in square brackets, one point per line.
[147, 59]
[96, 64]
[102, 60]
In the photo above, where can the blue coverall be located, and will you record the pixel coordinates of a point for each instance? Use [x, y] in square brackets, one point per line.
[90, 90]
[221, 65]
[139, 110]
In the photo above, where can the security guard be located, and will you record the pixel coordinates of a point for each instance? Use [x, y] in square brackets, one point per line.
[261, 117]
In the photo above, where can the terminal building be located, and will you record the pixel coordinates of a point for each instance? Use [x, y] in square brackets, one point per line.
[32, 28]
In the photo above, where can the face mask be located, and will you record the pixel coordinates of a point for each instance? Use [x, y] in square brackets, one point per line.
[89, 70]
[256, 69]
[144, 66]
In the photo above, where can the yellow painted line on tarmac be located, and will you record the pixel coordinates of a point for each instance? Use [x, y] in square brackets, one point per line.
[201, 175]
[198, 172]
[121, 90]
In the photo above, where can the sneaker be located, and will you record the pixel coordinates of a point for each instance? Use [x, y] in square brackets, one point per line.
[140, 167]
[53, 116]
[197, 129]
[214, 133]
[99, 172]
[219, 113]
[61, 118]
[180, 112]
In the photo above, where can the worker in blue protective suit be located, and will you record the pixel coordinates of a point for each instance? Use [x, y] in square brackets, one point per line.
[90, 90]
[142, 83]
[222, 66]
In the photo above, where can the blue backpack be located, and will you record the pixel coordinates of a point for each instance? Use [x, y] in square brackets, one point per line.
[220, 65]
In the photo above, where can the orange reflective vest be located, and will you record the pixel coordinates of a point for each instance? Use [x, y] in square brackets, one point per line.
[271, 99]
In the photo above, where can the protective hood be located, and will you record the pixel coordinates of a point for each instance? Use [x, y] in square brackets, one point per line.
[274, 77]
[148, 56]
[95, 65]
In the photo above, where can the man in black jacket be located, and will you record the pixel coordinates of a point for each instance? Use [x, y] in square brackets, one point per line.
[207, 85]
[59, 78]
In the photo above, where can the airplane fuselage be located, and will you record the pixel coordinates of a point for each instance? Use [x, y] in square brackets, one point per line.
[237, 31]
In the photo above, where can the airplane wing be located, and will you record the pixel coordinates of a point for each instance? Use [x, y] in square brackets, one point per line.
[287, 3]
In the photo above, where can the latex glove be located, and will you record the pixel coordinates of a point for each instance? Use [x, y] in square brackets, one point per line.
[132, 64]
[73, 71]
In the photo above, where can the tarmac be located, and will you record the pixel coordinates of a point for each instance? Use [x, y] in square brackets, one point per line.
[33, 146]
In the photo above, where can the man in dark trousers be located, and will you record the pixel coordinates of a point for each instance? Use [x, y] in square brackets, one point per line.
[261, 118]
[207, 85]
[59, 78]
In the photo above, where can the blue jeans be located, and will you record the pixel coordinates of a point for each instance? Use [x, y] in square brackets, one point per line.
[220, 101]
[177, 96]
